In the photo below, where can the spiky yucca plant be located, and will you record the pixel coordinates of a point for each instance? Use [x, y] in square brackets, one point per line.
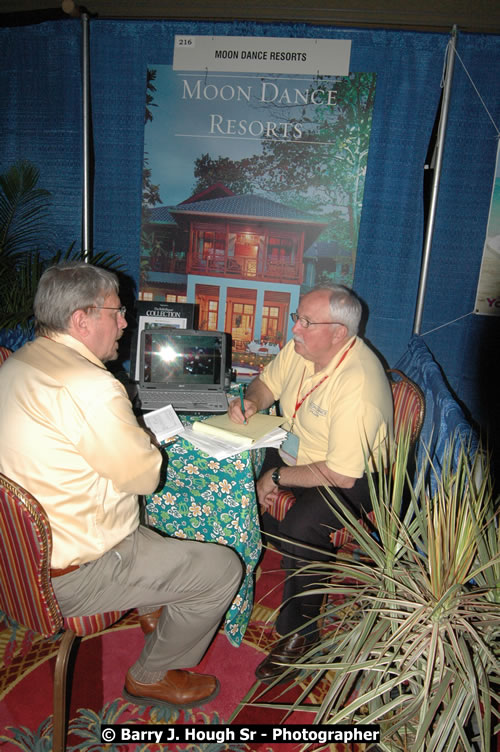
[413, 625]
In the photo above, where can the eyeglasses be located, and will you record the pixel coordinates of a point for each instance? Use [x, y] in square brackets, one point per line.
[305, 323]
[121, 309]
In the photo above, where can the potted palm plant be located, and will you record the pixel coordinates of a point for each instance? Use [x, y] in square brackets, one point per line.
[27, 247]
[411, 626]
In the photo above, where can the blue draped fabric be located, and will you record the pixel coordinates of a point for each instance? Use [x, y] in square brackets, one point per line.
[445, 423]
[40, 96]
[40, 102]
[467, 350]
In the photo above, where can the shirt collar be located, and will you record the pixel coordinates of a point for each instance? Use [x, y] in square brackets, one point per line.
[62, 338]
[332, 365]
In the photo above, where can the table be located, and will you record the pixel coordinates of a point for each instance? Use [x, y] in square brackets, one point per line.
[206, 499]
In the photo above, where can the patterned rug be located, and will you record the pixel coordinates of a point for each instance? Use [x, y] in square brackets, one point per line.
[100, 666]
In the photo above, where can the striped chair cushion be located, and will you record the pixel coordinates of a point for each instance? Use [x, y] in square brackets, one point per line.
[4, 354]
[409, 406]
[340, 538]
[26, 593]
[86, 625]
[282, 504]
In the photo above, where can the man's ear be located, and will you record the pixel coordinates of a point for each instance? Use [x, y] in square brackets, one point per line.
[340, 333]
[78, 324]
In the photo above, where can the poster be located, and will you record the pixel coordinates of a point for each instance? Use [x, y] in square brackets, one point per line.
[488, 289]
[255, 156]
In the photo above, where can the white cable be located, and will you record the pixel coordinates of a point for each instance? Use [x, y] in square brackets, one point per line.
[447, 324]
[476, 90]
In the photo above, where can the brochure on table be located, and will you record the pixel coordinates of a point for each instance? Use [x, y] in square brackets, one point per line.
[164, 423]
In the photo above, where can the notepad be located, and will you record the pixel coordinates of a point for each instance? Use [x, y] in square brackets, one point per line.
[242, 434]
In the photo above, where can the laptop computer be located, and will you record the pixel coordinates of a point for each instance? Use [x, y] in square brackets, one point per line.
[185, 368]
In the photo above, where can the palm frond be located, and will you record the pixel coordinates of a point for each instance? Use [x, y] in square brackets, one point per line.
[23, 211]
[26, 245]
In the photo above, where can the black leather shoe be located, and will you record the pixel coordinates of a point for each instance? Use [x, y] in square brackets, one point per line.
[286, 651]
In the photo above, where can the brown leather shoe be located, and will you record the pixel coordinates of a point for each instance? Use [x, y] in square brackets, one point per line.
[286, 651]
[177, 689]
[148, 622]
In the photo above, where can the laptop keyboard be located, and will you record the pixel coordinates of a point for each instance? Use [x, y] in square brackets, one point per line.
[195, 401]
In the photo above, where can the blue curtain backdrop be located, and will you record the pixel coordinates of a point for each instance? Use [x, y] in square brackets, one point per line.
[40, 105]
[40, 94]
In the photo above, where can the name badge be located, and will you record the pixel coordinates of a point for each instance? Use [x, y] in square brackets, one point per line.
[289, 450]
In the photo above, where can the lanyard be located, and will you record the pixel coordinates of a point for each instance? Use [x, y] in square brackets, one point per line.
[299, 401]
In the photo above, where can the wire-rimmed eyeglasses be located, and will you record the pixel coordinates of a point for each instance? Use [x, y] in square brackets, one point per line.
[122, 310]
[305, 323]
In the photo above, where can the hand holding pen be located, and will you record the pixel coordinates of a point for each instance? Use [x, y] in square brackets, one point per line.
[242, 403]
[240, 409]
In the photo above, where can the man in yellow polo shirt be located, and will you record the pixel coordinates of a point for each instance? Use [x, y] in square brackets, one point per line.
[337, 401]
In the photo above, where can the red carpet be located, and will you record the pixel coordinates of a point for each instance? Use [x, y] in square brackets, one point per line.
[100, 667]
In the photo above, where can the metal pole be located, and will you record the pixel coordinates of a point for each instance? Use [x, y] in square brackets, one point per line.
[86, 208]
[435, 182]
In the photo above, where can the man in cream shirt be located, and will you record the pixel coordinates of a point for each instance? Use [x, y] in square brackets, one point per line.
[337, 402]
[69, 436]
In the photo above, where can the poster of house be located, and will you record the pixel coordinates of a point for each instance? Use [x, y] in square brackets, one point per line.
[488, 289]
[255, 156]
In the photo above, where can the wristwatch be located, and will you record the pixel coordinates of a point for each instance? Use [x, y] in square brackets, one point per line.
[275, 476]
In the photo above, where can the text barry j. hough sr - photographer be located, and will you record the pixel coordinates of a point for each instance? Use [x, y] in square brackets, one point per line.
[238, 733]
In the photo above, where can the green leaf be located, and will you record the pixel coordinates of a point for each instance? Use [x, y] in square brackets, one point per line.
[27, 245]
[414, 644]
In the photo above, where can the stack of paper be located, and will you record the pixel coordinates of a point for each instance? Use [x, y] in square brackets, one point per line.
[219, 437]
[246, 434]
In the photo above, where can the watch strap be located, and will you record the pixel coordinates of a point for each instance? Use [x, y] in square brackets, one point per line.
[275, 476]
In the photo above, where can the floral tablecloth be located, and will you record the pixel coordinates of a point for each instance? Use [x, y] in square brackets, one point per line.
[213, 500]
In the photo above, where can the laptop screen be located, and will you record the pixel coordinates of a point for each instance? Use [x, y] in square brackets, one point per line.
[182, 359]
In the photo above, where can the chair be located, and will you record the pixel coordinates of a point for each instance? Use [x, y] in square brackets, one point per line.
[409, 412]
[409, 405]
[4, 354]
[26, 593]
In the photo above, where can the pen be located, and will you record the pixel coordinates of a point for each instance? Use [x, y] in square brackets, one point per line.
[242, 403]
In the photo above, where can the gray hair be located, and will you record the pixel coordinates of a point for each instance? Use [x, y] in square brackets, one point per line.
[66, 288]
[345, 306]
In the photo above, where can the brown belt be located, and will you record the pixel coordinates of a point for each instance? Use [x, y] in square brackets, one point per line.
[66, 570]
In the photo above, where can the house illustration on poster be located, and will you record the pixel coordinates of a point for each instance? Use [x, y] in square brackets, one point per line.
[241, 258]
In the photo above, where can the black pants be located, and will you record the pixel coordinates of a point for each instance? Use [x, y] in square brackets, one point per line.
[310, 520]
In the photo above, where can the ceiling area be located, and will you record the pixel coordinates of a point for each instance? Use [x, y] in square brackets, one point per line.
[481, 16]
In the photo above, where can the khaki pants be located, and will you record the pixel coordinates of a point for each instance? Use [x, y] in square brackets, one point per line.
[194, 582]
